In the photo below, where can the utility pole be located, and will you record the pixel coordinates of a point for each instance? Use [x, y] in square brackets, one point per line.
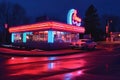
[107, 29]
[6, 22]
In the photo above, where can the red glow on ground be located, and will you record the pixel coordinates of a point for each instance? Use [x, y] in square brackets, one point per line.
[35, 66]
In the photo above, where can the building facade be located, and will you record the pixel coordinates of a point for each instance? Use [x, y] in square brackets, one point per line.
[45, 35]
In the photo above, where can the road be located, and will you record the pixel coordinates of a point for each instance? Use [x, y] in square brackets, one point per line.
[90, 65]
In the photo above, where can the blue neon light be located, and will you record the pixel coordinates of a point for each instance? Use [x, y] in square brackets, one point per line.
[24, 37]
[12, 37]
[50, 36]
[69, 16]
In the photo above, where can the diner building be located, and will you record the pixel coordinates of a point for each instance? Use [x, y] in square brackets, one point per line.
[45, 35]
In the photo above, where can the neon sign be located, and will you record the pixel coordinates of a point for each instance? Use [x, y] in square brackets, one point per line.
[47, 26]
[72, 18]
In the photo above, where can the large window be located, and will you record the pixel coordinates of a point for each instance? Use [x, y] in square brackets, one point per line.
[18, 37]
[65, 36]
[40, 36]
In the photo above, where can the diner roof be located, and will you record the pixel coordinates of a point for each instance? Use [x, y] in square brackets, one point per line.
[50, 25]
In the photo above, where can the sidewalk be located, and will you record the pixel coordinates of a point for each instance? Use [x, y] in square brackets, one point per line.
[109, 45]
[37, 53]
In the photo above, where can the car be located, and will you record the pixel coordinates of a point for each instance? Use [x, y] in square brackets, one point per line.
[84, 44]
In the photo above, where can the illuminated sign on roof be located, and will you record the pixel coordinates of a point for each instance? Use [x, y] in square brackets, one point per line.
[72, 18]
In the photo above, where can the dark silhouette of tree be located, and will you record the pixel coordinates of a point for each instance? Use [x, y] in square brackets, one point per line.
[91, 22]
[18, 16]
[12, 15]
[46, 18]
[42, 18]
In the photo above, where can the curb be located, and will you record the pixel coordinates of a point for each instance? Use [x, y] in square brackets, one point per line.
[39, 55]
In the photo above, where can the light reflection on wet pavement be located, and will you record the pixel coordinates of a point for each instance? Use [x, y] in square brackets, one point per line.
[60, 68]
[41, 67]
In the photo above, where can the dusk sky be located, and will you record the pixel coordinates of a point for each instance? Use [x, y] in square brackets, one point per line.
[59, 8]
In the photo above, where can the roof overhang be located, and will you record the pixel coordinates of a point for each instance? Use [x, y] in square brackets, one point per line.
[51, 25]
